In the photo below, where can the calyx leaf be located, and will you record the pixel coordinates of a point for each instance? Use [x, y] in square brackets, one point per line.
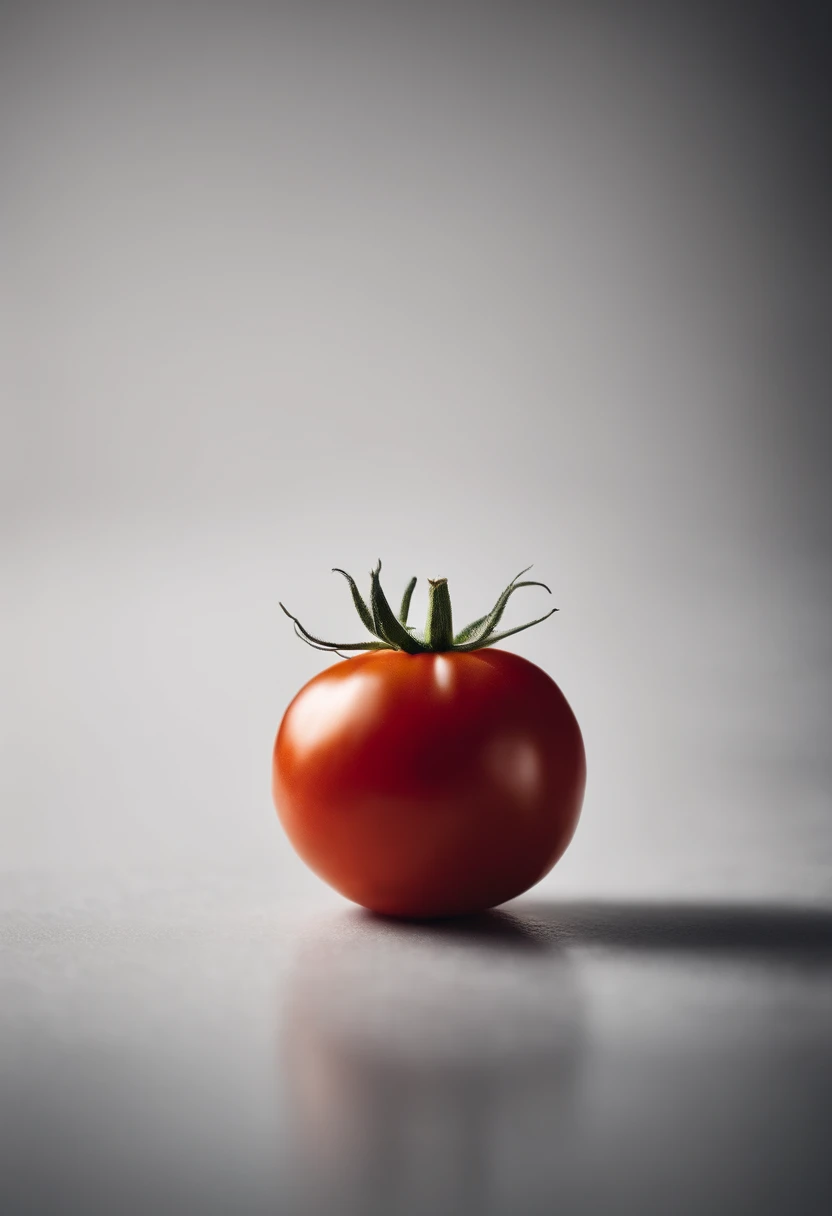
[391, 632]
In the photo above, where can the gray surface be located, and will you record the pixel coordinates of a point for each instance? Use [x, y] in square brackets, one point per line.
[204, 1047]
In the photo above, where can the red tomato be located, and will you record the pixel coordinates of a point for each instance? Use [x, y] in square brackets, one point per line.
[426, 785]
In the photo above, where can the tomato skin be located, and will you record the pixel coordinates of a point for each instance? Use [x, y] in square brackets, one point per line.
[433, 784]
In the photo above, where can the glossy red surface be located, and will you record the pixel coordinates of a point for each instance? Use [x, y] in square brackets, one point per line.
[430, 785]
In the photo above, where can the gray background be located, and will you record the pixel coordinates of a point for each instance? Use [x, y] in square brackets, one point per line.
[462, 287]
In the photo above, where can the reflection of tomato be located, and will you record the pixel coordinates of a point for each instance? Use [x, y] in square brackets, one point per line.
[430, 784]
[445, 1040]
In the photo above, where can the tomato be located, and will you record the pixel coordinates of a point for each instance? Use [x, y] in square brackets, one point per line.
[430, 784]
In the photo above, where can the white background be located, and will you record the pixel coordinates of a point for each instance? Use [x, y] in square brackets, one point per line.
[305, 287]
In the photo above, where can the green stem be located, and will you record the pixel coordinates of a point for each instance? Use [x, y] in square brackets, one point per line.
[439, 632]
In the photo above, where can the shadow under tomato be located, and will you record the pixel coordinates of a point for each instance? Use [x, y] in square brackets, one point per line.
[497, 930]
[774, 934]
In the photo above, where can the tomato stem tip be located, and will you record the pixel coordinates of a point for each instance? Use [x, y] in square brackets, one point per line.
[439, 633]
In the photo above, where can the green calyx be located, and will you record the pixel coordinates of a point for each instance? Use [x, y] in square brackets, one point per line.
[392, 632]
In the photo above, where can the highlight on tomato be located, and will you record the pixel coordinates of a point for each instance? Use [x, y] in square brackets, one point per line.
[429, 775]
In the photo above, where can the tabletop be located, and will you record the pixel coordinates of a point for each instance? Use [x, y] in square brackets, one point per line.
[209, 1045]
